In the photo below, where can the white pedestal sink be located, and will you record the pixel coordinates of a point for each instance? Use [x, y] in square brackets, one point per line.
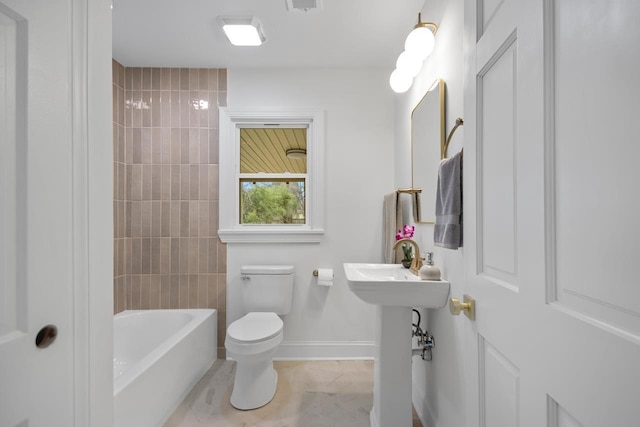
[395, 290]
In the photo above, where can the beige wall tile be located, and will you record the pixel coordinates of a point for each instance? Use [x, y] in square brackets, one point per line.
[155, 79]
[204, 146]
[165, 227]
[165, 291]
[165, 78]
[194, 78]
[135, 292]
[222, 80]
[213, 79]
[156, 219]
[184, 291]
[146, 78]
[193, 255]
[146, 221]
[194, 220]
[147, 179]
[194, 182]
[184, 255]
[136, 255]
[156, 182]
[203, 255]
[156, 145]
[175, 218]
[136, 78]
[145, 302]
[212, 296]
[175, 255]
[175, 291]
[165, 147]
[185, 105]
[194, 145]
[212, 242]
[222, 291]
[146, 255]
[193, 291]
[204, 78]
[155, 255]
[175, 79]
[146, 108]
[147, 147]
[203, 290]
[156, 108]
[165, 255]
[154, 292]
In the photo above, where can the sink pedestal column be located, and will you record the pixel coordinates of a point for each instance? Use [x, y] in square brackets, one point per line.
[392, 405]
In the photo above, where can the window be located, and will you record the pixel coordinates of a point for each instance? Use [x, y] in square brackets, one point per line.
[273, 175]
[270, 176]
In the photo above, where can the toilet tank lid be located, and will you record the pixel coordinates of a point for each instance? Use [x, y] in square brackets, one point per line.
[266, 269]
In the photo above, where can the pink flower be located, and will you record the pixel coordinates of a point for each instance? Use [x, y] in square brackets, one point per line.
[399, 235]
[408, 230]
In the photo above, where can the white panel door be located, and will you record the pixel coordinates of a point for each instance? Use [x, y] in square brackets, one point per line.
[36, 279]
[551, 203]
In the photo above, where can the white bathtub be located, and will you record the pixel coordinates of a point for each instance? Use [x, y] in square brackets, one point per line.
[158, 356]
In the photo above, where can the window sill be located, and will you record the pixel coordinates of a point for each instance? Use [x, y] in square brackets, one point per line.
[276, 235]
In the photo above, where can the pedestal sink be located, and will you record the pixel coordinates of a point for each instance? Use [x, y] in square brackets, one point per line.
[395, 290]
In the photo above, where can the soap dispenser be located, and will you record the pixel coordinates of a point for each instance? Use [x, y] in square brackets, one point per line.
[428, 270]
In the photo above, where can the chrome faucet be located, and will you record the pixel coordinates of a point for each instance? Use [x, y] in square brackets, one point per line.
[416, 262]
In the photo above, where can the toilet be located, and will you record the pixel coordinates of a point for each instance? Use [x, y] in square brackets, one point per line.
[253, 339]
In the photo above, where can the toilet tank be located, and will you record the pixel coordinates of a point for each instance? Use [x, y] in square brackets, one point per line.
[267, 288]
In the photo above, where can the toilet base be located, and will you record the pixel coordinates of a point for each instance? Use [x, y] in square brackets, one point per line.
[255, 383]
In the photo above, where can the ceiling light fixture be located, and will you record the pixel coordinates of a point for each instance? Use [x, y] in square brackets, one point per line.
[296, 153]
[242, 31]
[417, 47]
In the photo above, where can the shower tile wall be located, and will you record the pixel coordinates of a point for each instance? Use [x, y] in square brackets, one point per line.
[172, 255]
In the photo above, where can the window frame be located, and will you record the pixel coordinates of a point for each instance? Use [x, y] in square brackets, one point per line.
[230, 228]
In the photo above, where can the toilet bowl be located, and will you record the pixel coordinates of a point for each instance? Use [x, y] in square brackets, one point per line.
[252, 341]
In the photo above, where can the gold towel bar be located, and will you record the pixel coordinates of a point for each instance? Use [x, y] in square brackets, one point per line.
[459, 122]
[409, 190]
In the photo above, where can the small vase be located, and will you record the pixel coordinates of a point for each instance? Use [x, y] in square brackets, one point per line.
[406, 263]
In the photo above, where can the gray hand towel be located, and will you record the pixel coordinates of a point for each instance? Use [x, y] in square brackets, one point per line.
[447, 231]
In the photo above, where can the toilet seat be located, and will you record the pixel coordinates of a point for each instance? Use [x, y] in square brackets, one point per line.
[254, 328]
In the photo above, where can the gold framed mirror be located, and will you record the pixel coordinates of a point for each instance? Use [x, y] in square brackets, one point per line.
[427, 149]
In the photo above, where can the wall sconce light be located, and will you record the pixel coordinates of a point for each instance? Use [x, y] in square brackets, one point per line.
[296, 153]
[417, 47]
[242, 31]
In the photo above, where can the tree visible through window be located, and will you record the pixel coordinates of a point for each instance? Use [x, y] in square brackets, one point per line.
[267, 202]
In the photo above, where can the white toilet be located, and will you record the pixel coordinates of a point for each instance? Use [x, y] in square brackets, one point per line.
[253, 339]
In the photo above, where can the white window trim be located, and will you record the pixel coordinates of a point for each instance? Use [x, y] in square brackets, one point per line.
[230, 230]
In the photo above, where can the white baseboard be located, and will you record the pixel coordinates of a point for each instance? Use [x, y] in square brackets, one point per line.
[326, 350]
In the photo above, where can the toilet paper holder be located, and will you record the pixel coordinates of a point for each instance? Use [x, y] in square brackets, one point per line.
[315, 272]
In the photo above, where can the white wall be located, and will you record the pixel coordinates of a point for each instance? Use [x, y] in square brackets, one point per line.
[327, 322]
[438, 386]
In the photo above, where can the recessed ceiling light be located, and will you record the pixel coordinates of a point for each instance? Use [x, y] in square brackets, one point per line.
[242, 31]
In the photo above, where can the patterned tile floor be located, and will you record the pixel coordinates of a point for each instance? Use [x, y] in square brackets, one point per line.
[309, 394]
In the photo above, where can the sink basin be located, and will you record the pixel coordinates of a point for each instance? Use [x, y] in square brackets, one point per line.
[394, 285]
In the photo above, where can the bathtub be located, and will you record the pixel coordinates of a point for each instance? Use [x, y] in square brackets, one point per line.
[158, 356]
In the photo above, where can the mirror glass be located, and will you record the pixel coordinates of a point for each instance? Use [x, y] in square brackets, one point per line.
[427, 145]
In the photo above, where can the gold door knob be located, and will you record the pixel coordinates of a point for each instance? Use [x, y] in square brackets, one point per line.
[468, 306]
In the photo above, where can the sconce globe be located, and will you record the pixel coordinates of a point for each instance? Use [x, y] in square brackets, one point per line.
[420, 42]
[411, 64]
[400, 81]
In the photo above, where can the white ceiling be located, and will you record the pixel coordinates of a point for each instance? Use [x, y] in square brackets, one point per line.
[185, 33]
